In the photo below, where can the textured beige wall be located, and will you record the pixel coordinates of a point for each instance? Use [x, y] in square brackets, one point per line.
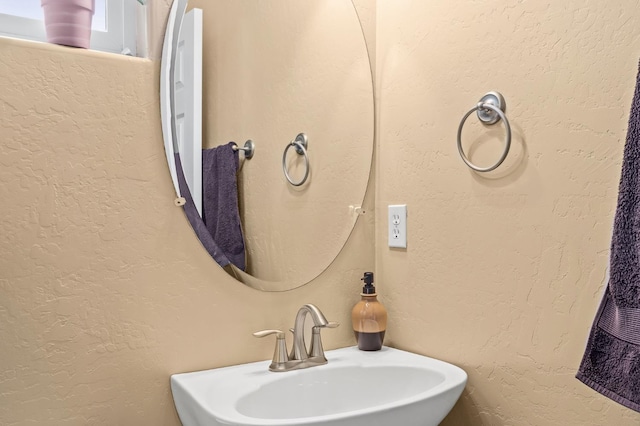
[504, 272]
[104, 292]
[104, 289]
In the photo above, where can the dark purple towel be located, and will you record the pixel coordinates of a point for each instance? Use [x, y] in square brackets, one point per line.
[220, 209]
[225, 251]
[611, 363]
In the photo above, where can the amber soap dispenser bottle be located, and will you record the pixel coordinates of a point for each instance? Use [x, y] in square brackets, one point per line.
[369, 317]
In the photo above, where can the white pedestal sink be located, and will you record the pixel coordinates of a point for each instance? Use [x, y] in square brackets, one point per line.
[356, 388]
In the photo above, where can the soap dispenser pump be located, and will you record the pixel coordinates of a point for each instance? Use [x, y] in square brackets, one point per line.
[369, 317]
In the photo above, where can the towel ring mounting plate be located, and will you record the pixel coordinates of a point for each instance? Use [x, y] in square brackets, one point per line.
[487, 115]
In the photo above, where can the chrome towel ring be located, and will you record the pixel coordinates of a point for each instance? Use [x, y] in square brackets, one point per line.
[300, 143]
[490, 110]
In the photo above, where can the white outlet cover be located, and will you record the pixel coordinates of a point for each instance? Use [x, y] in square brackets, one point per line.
[397, 224]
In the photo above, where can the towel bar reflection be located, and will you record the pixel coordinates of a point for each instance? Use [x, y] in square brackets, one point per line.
[249, 149]
[490, 110]
[300, 143]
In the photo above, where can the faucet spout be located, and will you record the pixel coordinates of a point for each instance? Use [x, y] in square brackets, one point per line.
[300, 357]
[299, 351]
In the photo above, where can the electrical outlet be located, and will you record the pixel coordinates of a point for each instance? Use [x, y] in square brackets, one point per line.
[398, 226]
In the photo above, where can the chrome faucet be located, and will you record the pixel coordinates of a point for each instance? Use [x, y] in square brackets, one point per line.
[300, 356]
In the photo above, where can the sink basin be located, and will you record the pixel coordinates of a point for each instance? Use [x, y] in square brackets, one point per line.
[355, 388]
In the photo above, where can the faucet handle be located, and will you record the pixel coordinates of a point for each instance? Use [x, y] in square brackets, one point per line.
[316, 350]
[263, 333]
[280, 355]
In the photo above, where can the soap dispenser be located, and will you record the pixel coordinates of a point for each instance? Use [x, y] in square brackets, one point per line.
[369, 317]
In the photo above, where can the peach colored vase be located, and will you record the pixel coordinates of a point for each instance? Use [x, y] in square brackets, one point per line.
[68, 22]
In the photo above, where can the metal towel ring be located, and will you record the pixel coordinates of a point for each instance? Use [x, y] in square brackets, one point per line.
[490, 110]
[300, 143]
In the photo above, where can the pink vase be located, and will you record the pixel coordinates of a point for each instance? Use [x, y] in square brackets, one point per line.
[68, 22]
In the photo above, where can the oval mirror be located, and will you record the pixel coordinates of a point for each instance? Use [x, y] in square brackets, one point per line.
[271, 70]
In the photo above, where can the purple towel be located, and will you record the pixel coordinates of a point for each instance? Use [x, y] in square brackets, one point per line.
[220, 210]
[196, 221]
[611, 363]
[225, 245]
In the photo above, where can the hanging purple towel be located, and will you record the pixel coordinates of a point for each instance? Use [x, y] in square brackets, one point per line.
[196, 221]
[611, 363]
[219, 229]
[220, 209]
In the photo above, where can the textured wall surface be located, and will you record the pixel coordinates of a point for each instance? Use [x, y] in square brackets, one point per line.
[504, 272]
[104, 289]
[105, 292]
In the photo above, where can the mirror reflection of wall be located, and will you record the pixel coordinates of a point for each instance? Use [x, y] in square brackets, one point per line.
[273, 69]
